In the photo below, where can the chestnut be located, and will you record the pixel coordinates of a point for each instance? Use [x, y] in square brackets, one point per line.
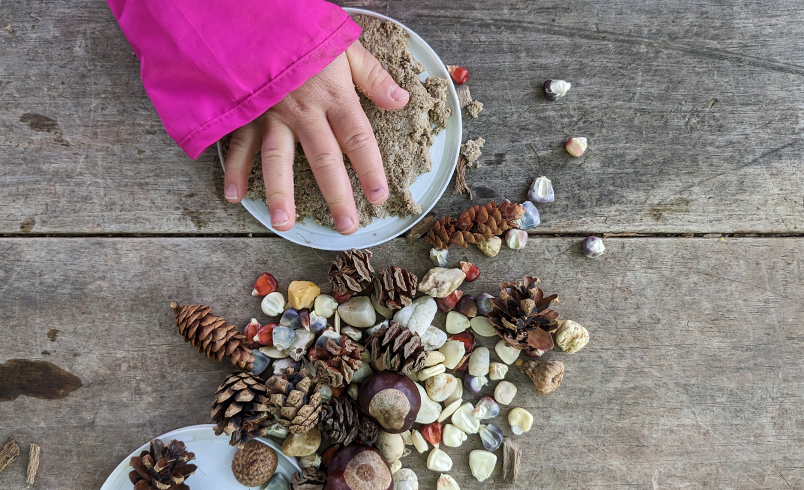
[391, 400]
[358, 467]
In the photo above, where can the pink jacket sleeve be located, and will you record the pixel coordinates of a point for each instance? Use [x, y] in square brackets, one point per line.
[211, 66]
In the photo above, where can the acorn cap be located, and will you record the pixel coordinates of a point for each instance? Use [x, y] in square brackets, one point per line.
[254, 464]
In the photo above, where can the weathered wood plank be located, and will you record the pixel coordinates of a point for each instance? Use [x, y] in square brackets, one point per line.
[691, 378]
[645, 74]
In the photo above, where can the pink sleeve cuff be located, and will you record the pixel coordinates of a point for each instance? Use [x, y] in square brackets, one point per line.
[212, 66]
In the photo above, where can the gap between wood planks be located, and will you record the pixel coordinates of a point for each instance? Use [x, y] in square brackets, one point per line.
[532, 234]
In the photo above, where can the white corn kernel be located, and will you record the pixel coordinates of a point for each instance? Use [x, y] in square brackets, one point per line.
[479, 362]
[464, 419]
[482, 463]
[456, 322]
[497, 371]
[431, 371]
[449, 410]
[453, 351]
[506, 353]
[482, 326]
[520, 420]
[452, 436]
[418, 441]
[446, 482]
[438, 460]
[505, 392]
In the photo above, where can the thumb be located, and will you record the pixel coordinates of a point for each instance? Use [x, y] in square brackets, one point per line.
[373, 80]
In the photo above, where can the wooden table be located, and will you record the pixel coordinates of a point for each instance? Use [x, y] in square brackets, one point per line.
[694, 113]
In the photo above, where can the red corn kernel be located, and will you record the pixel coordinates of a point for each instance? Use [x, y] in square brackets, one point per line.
[250, 332]
[265, 335]
[340, 298]
[468, 339]
[459, 74]
[265, 285]
[448, 304]
[432, 433]
[471, 271]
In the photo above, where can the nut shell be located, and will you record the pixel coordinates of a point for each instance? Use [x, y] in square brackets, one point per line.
[254, 464]
[358, 467]
[391, 400]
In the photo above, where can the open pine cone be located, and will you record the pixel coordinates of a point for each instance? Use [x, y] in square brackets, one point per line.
[367, 431]
[336, 362]
[295, 399]
[212, 335]
[162, 467]
[351, 271]
[308, 479]
[522, 316]
[399, 349]
[476, 224]
[240, 408]
[395, 288]
[339, 421]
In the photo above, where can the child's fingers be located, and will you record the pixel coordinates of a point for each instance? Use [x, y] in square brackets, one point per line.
[353, 130]
[278, 149]
[373, 80]
[242, 147]
[326, 160]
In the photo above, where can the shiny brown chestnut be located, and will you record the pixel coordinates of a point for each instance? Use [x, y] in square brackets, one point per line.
[392, 400]
[358, 467]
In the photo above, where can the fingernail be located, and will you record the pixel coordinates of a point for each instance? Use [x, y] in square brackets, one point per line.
[398, 93]
[344, 225]
[376, 194]
[230, 192]
[279, 218]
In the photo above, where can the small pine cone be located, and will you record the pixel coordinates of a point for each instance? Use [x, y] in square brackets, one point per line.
[240, 408]
[339, 420]
[395, 288]
[308, 479]
[212, 335]
[475, 225]
[336, 362]
[162, 467]
[440, 234]
[522, 316]
[546, 375]
[295, 399]
[351, 271]
[397, 348]
[367, 431]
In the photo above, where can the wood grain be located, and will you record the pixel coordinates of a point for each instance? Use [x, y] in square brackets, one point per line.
[691, 109]
[691, 378]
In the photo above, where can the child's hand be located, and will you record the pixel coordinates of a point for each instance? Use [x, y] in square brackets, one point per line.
[325, 115]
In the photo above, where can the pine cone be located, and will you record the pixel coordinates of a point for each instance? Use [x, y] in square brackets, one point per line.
[395, 288]
[212, 335]
[336, 362]
[308, 479]
[351, 271]
[522, 316]
[367, 431]
[339, 420]
[295, 399]
[240, 408]
[162, 467]
[476, 224]
[398, 348]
